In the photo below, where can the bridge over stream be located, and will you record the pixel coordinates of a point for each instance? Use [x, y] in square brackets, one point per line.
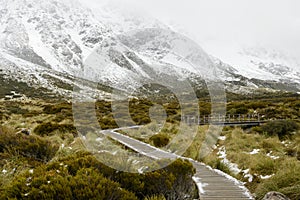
[225, 120]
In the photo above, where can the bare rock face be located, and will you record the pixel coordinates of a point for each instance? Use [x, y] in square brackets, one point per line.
[275, 196]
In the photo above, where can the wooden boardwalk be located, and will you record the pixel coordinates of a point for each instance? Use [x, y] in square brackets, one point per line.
[211, 185]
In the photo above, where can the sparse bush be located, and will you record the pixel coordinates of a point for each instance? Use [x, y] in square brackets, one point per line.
[160, 140]
[242, 110]
[216, 163]
[156, 197]
[271, 144]
[258, 129]
[87, 183]
[32, 147]
[282, 128]
[57, 108]
[286, 181]
[257, 105]
[82, 176]
[17, 110]
[45, 128]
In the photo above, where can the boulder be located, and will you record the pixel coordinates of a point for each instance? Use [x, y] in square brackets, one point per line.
[275, 196]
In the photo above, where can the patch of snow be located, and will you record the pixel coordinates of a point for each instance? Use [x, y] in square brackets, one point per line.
[199, 184]
[254, 151]
[223, 138]
[86, 51]
[266, 177]
[232, 166]
[39, 47]
[140, 170]
[250, 177]
[135, 162]
[273, 157]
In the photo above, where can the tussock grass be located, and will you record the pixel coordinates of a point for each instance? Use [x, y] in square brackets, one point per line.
[286, 180]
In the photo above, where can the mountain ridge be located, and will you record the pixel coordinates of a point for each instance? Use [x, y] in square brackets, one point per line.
[59, 38]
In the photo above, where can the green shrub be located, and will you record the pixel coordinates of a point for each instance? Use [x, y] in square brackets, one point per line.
[257, 105]
[54, 109]
[286, 181]
[282, 128]
[17, 110]
[242, 110]
[87, 183]
[48, 128]
[173, 180]
[160, 140]
[258, 129]
[272, 113]
[156, 197]
[32, 147]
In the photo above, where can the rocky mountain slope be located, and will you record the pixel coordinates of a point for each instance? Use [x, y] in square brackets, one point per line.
[54, 44]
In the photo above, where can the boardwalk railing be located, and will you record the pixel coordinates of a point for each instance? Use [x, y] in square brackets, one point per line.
[237, 119]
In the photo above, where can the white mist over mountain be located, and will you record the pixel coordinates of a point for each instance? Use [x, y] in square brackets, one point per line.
[225, 29]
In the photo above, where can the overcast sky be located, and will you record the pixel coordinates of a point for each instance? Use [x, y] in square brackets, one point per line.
[274, 23]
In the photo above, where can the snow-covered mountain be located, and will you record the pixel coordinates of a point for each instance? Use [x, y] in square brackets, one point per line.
[49, 43]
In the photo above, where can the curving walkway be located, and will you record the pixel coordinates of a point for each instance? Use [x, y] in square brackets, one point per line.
[212, 184]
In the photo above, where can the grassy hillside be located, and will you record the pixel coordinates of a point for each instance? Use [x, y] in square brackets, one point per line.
[51, 159]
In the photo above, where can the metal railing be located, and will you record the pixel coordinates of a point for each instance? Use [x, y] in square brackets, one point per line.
[222, 119]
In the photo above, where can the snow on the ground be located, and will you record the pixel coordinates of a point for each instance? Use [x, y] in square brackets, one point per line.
[273, 157]
[200, 185]
[248, 175]
[39, 47]
[141, 170]
[223, 138]
[232, 166]
[266, 177]
[254, 151]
